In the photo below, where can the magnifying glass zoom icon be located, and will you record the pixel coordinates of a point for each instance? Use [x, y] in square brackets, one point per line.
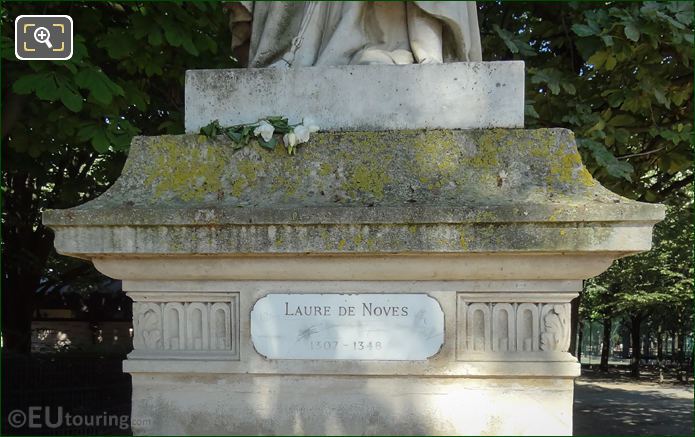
[43, 36]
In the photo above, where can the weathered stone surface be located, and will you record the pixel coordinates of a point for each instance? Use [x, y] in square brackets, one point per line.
[452, 392]
[498, 226]
[346, 405]
[463, 95]
[448, 191]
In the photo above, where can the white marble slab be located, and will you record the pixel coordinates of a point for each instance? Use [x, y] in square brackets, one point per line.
[462, 95]
[347, 326]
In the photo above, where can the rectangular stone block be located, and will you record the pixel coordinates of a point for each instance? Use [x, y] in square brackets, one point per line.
[465, 95]
[175, 404]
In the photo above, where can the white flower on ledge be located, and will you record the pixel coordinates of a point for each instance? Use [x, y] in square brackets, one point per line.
[265, 130]
[290, 140]
[302, 132]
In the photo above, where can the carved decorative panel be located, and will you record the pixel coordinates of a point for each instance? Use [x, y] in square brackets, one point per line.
[511, 327]
[169, 322]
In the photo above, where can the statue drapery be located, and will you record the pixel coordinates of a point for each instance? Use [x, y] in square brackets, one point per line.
[287, 33]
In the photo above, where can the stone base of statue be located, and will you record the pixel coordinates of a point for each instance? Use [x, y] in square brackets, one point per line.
[378, 282]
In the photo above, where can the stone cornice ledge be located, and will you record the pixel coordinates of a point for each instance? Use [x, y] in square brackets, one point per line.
[447, 192]
[567, 368]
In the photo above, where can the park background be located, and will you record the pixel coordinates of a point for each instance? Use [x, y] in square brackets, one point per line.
[618, 74]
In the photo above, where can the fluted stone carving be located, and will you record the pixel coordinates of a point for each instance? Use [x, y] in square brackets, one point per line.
[184, 325]
[508, 327]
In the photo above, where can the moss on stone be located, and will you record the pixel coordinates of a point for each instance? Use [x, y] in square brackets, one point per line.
[368, 178]
[568, 168]
[325, 236]
[325, 169]
[463, 243]
[485, 216]
[190, 173]
[247, 171]
[371, 244]
[489, 145]
[437, 157]
[441, 167]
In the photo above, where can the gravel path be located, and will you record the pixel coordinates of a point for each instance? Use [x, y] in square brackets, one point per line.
[623, 407]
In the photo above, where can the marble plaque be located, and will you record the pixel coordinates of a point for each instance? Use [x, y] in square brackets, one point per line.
[347, 326]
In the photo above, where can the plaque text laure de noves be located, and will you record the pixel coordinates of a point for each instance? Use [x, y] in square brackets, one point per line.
[347, 326]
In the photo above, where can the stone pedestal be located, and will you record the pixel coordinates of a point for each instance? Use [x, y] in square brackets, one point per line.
[243, 266]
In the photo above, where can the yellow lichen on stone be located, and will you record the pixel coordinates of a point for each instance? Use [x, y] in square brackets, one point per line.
[247, 174]
[249, 170]
[368, 178]
[485, 216]
[324, 236]
[569, 167]
[370, 244]
[436, 157]
[188, 172]
[238, 187]
[585, 177]
[487, 153]
[325, 169]
[554, 215]
[284, 182]
[372, 158]
[541, 145]
[462, 241]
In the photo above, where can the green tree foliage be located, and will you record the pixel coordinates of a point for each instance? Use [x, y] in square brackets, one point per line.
[655, 286]
[67, 125]
[619, 74]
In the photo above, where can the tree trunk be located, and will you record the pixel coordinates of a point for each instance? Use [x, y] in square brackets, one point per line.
[580, 341]
[681, 347]
[681, 355]
[606, 348]
[17, 311]
[574, 322]
[26, 245]
[14, 104]
[635, 322]
[660, 352]
[626, 342]
[659, 345]
[647, 342]
[20, 281]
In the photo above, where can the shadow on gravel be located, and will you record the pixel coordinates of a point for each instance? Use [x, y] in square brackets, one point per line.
[65, 395]
[614, 411]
